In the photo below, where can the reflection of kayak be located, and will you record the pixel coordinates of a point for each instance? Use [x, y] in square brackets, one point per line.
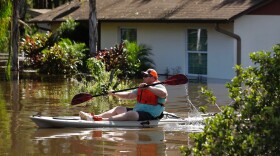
[100, 141]
[76, 122]
[51, 133]
[154, 136]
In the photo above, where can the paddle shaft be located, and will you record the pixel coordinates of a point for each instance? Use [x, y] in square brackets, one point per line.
[127, 89]
[173, 80]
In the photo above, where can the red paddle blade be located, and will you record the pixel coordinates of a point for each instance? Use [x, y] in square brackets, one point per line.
[80, 98]
[177, 80]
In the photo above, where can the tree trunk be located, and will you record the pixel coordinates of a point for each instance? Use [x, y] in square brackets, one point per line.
[92, 27]
[22, 13]
[15, 35]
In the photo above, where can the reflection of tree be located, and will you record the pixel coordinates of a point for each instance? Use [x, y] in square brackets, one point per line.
[15, 109]
[49, 90]
[5, 135]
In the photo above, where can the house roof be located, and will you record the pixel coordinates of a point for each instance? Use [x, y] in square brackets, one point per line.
[154, 10]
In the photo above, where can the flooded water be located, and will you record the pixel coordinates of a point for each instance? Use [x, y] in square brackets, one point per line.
[29, 94]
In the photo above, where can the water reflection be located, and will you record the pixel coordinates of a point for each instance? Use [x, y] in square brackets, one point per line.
[5, 134]
[101, 141]
[30, 93]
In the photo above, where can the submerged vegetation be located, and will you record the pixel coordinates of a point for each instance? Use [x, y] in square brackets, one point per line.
[101, 82]
[255, 93]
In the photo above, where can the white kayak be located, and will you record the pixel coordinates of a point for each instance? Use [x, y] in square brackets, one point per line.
[76, 122]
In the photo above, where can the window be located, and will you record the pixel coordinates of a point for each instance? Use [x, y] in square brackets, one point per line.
[129, 34]
[197, 51]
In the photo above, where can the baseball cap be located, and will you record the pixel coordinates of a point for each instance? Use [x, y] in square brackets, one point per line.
[151, 72]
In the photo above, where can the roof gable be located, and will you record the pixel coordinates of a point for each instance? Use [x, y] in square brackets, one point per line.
[153, 10]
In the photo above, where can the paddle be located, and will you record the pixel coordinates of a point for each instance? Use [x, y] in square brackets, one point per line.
[173, 80]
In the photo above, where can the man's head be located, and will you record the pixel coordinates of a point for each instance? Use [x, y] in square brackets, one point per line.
[150, 73]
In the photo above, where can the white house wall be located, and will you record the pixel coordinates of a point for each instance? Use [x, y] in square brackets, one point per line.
[168, 44]
[257, 32]
[221, 54]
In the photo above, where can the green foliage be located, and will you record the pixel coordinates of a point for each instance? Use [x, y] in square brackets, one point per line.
[255, 93]
[211, 98]
[102, 80]
[64, 30]
[52, 54]
[63, 58]
[32, 45]
[5, 18]
[138, 57]
[130, 58]
[133, 61]
[96, 68]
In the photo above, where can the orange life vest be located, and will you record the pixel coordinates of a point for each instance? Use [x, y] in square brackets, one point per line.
[146, 97]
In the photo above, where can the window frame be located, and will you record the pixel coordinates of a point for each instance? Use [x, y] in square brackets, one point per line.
[198, 51]
[127, 28]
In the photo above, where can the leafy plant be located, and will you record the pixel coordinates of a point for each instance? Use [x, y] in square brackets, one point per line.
[255, 93]
[64, 31]
[52, 54]
[63, 58]
[113, 58]
[31, 46]
[130, 58]
[102, 80]
[138, 57]
[5, 17]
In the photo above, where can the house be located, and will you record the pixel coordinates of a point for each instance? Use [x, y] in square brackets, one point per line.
[196, 37]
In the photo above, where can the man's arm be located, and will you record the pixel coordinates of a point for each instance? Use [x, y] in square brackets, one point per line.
[123, 95]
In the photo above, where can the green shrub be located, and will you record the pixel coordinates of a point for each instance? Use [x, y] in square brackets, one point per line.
[102, 81]
[128, 57]
[32, 46]
[64, 31]
[63, 58]
[138, 57]
[255, 93]
[5, 19]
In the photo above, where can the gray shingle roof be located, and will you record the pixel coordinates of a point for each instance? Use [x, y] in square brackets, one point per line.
[154, 10]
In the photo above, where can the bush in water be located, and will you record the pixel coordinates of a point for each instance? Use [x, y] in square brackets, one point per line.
[255, 93]
[63, 58]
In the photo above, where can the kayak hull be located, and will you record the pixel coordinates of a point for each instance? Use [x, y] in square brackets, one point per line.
[76, 122]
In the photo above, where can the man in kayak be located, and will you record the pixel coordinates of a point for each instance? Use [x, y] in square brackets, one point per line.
[149, 106]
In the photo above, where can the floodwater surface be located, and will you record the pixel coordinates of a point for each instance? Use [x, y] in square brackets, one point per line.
[30, 94]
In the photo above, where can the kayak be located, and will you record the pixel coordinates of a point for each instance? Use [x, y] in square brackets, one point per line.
[76, 122]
